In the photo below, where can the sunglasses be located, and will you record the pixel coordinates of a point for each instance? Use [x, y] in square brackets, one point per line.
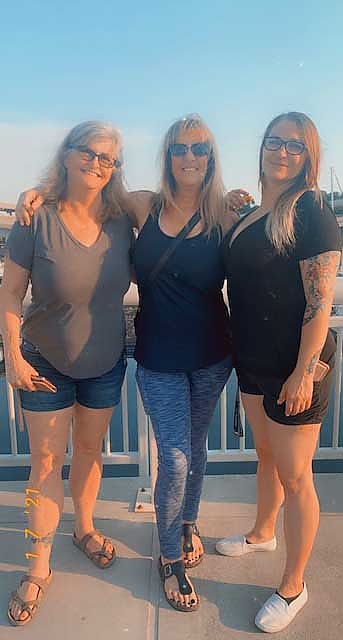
[293, 147]
[198, 149]
[104, 160]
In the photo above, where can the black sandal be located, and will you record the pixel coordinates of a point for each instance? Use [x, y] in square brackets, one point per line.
[188, 530]
[177, 569]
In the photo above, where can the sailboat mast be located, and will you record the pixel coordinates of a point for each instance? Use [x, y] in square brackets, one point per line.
[332, 197]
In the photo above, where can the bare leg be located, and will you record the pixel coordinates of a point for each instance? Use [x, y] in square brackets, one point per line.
[269, 489]
[89, 429]
[48, 434]
[293, 449]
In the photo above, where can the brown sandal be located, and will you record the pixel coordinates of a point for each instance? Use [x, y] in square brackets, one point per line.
[28, 606]
[96, 556]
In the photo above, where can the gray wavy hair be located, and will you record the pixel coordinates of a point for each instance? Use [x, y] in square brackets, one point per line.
[54, 183]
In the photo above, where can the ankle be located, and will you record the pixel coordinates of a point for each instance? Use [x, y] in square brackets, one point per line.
[169, 561]
[256, 537]
[81, 529]
[290, 588]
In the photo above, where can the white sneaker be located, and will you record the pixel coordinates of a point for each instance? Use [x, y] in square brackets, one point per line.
[238, 546]
[276, 614]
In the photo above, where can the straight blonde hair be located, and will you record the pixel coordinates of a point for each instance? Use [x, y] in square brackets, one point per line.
[212, 191]
[280, 222]
[53, 185]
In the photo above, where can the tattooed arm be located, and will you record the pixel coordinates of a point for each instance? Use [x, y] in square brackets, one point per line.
[319, 277]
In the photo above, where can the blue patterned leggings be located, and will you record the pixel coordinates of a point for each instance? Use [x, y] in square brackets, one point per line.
[180, 406]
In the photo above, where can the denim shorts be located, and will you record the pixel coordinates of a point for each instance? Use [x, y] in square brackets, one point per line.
[101, 392]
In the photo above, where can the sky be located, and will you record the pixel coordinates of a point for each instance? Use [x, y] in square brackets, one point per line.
[141, 65]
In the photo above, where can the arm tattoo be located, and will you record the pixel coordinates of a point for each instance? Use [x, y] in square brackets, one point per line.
[319, 277]
[313, 362]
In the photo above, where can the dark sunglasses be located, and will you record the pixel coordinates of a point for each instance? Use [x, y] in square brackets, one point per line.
[198, 149]
[293, 147]
[88, 155]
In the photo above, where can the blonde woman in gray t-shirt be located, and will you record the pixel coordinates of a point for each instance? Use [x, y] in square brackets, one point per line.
[67, 358]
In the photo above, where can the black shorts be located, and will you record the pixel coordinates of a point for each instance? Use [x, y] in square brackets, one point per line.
[270, 388]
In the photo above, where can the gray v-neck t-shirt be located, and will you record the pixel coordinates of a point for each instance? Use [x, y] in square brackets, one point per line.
[76, 317]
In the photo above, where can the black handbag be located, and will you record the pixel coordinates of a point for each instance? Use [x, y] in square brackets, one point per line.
[237, 422]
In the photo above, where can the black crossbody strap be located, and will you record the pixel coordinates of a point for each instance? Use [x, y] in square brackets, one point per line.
[168, 253]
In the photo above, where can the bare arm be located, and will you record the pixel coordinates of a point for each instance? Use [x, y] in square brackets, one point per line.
[12, 292]
[319, 277]
[137, 204]
[27, 204]
[234, 200]
[230, 218]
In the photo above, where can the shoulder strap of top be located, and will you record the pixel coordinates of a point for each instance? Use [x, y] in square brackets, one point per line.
[170, 250]
[231, 231]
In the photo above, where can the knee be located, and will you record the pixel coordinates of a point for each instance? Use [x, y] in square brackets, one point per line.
[45, 463]
[88, 446]
[294, 484]
[175, 465]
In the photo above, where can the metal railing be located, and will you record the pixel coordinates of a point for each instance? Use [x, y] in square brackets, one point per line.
[134, 419]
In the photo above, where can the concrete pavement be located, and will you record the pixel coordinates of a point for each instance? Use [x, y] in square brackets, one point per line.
[126, 602]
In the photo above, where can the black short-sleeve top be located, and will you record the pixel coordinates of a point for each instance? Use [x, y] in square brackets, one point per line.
[265, 288]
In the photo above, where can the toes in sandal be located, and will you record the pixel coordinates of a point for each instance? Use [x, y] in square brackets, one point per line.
[96, 556]
[177, 569]
[29, 607]
[190, 529]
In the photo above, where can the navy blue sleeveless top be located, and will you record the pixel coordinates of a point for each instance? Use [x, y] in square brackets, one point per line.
[182, 323]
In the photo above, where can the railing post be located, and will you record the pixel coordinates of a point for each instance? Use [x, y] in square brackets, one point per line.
[223, 420]
[143, 438]
[152, 462]
[242, 439]
[11, 417]
[125, 415]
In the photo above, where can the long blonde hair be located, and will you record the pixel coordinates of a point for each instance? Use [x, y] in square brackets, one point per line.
[280, 222]
[54, 183]
[211, 196]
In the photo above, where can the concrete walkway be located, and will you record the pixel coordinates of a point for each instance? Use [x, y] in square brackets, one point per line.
[126, 602]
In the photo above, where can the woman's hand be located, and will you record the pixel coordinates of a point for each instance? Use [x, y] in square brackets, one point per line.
[19, 372]
[297, 392]
[237, 199]
[27, 204]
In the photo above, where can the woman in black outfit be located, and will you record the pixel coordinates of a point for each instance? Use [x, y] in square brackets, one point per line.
[281, 262]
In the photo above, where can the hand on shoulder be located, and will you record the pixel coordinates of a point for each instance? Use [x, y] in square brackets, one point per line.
[28, 203]
[235, 200]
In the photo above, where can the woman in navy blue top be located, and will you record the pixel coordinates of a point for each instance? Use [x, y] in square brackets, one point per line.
[183, 346]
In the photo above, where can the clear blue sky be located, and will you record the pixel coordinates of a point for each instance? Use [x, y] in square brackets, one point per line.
[143, 64]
